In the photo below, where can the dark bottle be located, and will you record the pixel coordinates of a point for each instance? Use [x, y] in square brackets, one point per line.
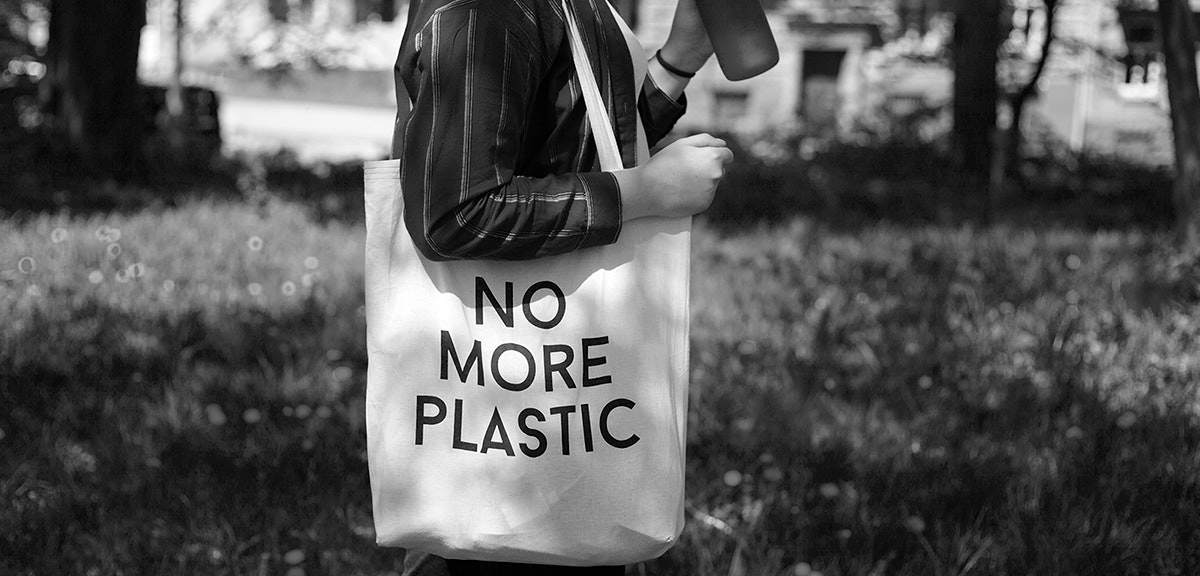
[740, 35]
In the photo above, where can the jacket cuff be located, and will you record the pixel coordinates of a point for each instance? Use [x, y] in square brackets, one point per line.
[659, 111]
[604, 198]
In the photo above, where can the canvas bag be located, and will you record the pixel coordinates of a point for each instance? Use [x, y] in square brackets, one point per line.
[529, 411]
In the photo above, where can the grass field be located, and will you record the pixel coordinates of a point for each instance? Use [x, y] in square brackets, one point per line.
[182, 394]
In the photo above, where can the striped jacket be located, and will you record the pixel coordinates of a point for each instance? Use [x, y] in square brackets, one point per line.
[498, 158]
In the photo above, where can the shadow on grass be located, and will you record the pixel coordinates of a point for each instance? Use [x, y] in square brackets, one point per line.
[192, 440]
[888, 400]
[938, 412]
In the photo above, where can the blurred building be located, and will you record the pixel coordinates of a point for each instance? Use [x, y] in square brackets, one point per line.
[845, 65]
[820, 81]
[1105, 90]
[842, 62]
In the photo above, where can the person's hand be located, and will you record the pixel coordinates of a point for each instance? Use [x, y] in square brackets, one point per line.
[678, 181]
[687, 46]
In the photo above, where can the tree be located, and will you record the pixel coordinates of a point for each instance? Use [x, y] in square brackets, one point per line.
[91, 88]
[1007, 155]
[1179, 37]
[976, 39]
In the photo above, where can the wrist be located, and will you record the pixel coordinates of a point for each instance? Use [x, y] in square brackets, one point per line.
[686, 59]
[635, 203]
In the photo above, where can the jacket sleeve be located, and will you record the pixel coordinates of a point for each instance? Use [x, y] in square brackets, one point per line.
[659, 111]
[476, 77]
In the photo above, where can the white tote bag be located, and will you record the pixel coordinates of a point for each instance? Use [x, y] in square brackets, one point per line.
[528, 411]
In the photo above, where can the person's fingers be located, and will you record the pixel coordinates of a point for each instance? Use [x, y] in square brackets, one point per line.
[701, 140]
[725, 155]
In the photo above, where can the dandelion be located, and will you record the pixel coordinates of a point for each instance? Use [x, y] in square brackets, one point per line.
[288, 411]
[254, 288]
[333, 354]
[288, 288]
[830, 490]
[342, 373]
[311, 263]
[137, 270]
[307, 445]
[802, 569]
[122, 276]
[95, 277]
[294, 557]
[1074, 262]
[113, 251]
[306, 280]
[915, 524]
[76, 458]
[168, 285]
[27, 265]
[732, 478]
[303, 411]
[252, 416]
[773, 474]
[323, 412]
[254, 243]
[216, 416]
[1127, 420]
[1074, 433]
[925, 382]
[59, 235]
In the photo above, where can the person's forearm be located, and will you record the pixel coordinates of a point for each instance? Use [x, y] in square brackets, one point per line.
[672, 85]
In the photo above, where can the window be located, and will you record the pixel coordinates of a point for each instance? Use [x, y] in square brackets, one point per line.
[729, 109]
[279, 9]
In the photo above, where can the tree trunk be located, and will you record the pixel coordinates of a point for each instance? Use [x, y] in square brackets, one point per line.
[1007, 160]
[1183, 90]
[91, 87]
[976, 39]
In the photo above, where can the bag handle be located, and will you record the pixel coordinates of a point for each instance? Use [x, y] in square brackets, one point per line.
[602, 131]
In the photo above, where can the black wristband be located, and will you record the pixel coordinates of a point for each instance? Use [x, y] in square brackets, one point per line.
[670, 68]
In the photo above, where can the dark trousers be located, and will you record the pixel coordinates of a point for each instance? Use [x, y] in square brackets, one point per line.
[422, 564]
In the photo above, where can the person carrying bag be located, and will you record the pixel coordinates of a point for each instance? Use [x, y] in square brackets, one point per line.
[527, 289]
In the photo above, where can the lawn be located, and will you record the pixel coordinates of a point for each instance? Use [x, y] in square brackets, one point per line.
[182, 394]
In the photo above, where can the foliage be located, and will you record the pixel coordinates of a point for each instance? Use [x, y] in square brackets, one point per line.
[258, 40]
[24, 31]
[777, 175]
[183, 390]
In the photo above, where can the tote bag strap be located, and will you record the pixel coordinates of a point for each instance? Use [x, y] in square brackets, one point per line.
[602, 131]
